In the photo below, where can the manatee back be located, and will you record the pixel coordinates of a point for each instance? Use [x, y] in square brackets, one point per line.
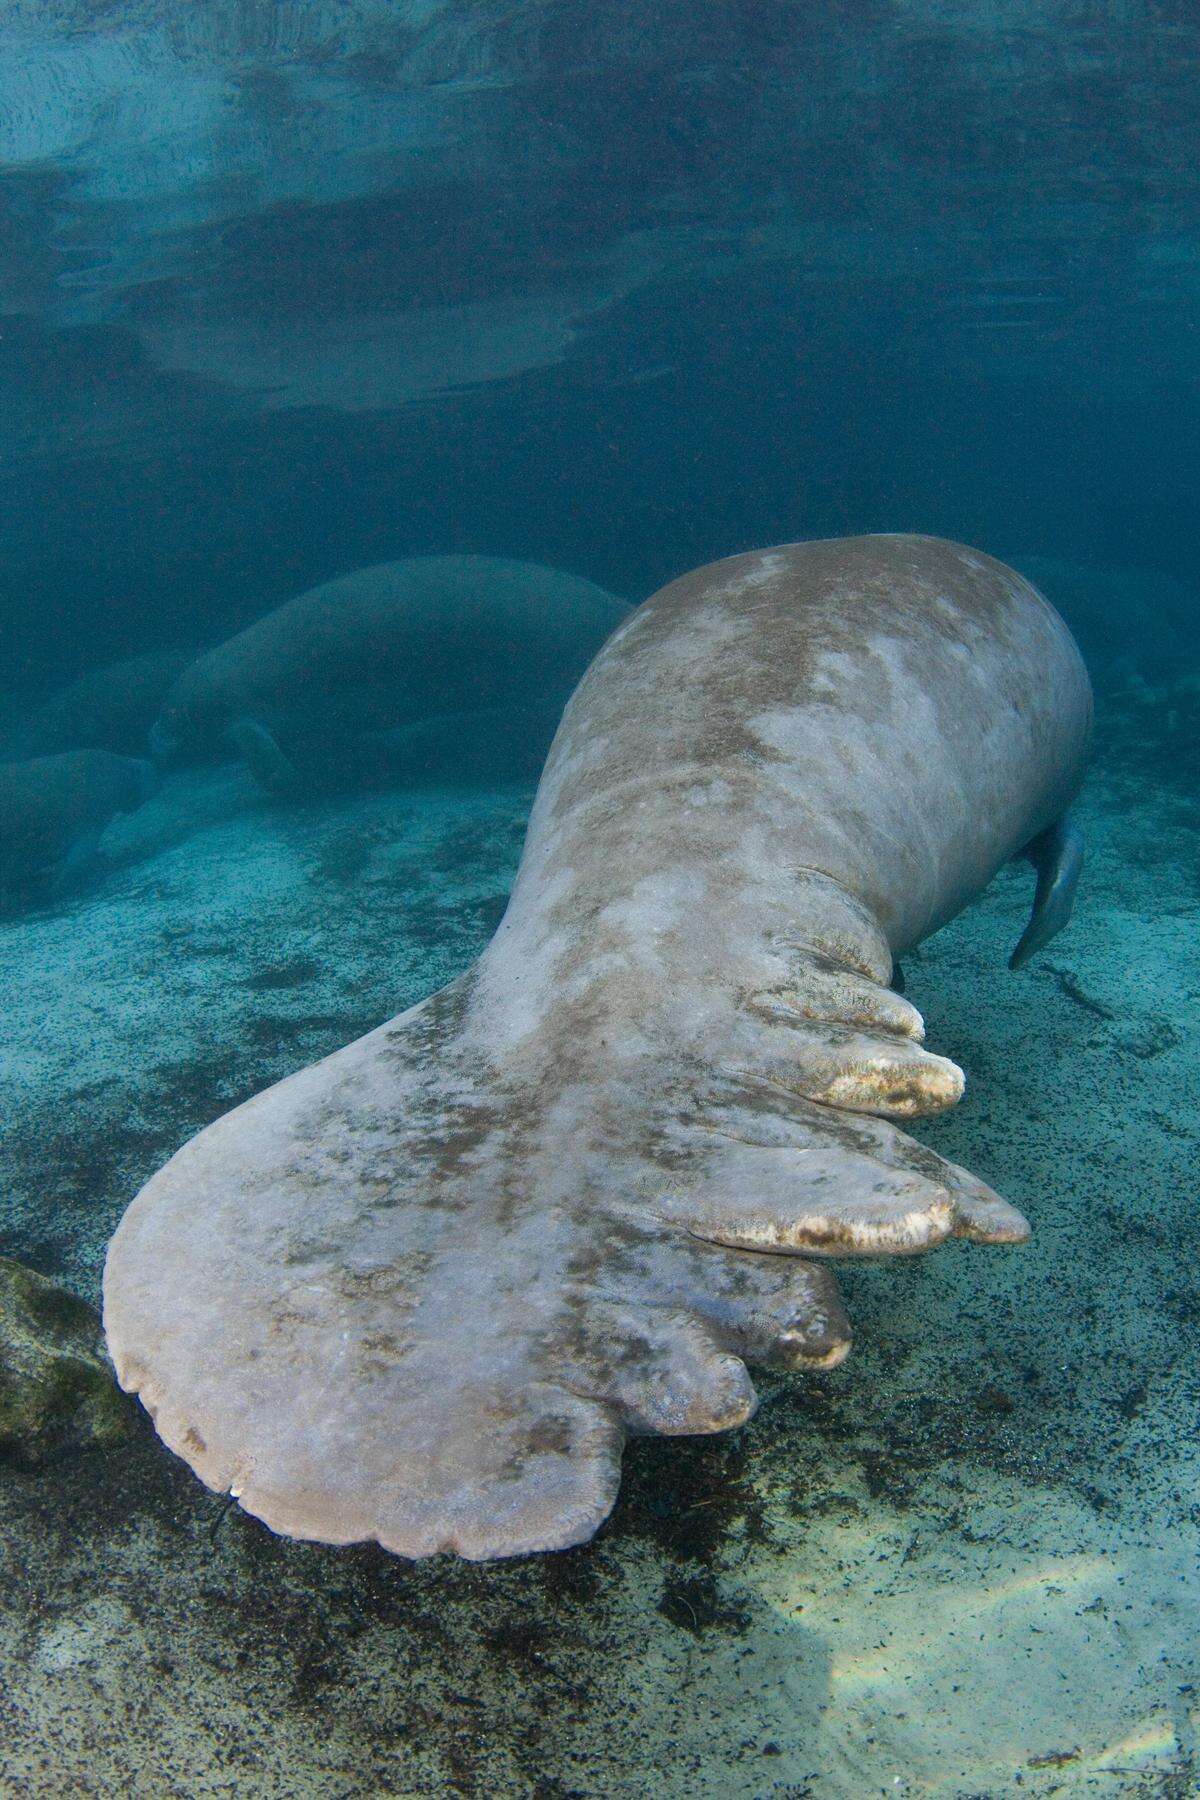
[110, 709]
[902, 713]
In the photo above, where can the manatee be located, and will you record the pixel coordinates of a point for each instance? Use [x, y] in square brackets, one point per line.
[389, 649]
[53, 810]
[112, 708]
[421, 1292]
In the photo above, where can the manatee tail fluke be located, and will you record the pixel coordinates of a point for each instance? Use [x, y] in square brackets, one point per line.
[266, 761]
[1057, 856]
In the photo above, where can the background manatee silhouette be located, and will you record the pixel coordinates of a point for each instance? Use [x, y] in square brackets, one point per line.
[53, 810]
[107, 709]
[482, 648]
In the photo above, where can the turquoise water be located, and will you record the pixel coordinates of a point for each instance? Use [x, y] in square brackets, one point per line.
[289, 292]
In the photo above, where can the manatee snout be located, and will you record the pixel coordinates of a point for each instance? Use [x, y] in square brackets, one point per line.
[185, 726]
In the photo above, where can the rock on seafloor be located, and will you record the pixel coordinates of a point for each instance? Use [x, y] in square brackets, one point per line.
[57, 1391]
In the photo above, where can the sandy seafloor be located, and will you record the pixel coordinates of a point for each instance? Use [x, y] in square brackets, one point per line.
[963, 1564]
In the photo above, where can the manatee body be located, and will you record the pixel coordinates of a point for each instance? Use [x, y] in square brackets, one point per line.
[396, 648]
[53, 810]
[107, 709]
[422, 1291]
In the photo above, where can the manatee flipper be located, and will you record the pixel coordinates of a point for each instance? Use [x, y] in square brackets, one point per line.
[1057, 856]
[266, 761]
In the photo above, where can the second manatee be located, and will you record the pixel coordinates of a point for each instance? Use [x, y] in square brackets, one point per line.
[479, 650]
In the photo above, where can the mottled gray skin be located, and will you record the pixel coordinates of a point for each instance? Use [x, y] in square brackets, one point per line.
[386, 647]
[107, 709]
[421, 1291]
[53, 810]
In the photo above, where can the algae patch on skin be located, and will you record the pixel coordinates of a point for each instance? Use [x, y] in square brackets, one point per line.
[57, 1391]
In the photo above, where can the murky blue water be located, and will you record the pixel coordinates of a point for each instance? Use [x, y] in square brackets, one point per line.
[291, 291]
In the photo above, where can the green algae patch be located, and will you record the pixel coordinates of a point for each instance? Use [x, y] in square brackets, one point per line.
[57, 1392]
